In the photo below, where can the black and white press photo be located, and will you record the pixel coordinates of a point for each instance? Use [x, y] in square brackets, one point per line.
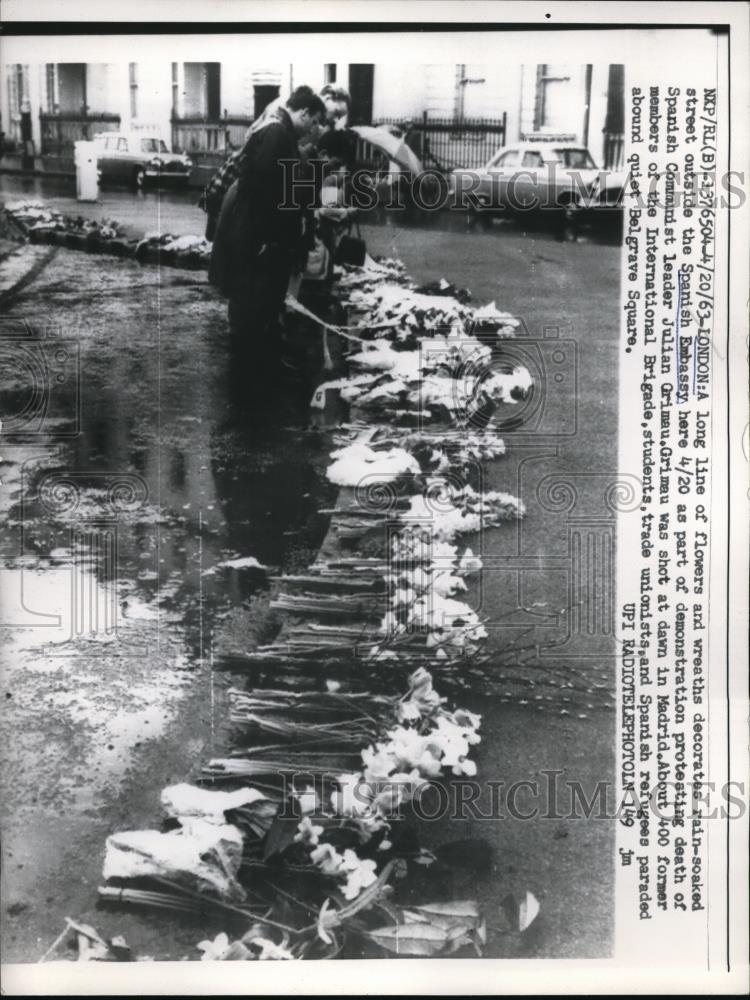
[366, 552]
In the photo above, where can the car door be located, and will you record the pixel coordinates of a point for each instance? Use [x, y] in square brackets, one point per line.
[559, 181]
[530, 182]
[123, 161]
[106, 159]
[493, 187]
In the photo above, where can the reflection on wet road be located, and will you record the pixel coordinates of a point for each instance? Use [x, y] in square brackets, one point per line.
[123, 493]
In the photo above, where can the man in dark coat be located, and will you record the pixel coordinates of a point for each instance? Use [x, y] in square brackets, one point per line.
[259, 235]
[337, 104]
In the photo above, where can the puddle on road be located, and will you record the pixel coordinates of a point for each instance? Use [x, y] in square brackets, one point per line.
[79, 701]
[113, 589]
[110, 603]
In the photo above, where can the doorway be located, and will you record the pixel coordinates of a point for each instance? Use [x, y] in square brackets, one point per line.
[263, 94]
[361, 78]
[213, 91]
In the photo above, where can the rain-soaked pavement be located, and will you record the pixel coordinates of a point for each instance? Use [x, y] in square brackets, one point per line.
[164, 210]
[125, 495]
[126, 485]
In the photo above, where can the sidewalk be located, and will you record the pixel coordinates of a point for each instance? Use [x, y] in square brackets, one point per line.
[52, 166]
[63, 166]
[138, 212]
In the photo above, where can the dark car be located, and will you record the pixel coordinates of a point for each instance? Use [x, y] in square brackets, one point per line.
[138, 159]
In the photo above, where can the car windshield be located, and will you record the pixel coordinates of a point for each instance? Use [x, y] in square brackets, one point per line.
[153, 146]
[575, 159]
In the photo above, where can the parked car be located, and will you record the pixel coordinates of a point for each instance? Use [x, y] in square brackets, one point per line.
[535, 176]
[138, 159]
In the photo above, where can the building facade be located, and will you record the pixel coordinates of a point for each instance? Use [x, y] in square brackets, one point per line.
[205, 107]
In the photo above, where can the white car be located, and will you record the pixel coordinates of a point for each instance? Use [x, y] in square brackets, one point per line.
[138, 158]
[538, 175]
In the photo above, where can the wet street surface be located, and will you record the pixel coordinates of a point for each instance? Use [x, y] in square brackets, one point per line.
[139, 212]
[129, 483]
[129, 490]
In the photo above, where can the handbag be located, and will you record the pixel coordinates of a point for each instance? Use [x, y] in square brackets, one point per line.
[317, 262]
[351, 250]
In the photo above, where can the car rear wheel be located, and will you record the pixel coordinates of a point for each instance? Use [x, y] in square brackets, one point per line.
[476, 218]
[571, 221]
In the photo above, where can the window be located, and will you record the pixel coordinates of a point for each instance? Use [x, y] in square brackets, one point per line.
[50, 92]
[508, 159]
[329, 73]
[263, 95]
[361, 84]
[110, 142]
[552, 108]
[531, 159]
[213, 91]
[18, 87]
[175, 90]
[574, 159]
[122, 145]
[152, 145]
[132, 72]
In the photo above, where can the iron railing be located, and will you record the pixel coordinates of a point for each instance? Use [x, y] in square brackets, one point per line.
[199, 135]
[440, 143]
[60, 130]
[13, 135]
[444, 144]
[614, 150]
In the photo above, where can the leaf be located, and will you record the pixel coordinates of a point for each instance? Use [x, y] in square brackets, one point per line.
[459, 936]
[459, 913]
[257, 817]
[89, 951]
[519, 913]
[93, 948]
[433, 928]
[326, 918]
[410, 939]
[85, 930]
[280, 836]
[529, 911]
[413, 917]
[461, 908]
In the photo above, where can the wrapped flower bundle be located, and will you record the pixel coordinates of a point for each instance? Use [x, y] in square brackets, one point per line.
[186, 249]
[37, 217]
[337, 837]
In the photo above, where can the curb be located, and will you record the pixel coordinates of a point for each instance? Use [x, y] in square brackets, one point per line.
[90, 243]
[17, 171]
[197, 182]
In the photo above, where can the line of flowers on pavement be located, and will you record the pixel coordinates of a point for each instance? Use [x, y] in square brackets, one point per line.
[302, 858]
[43, 224]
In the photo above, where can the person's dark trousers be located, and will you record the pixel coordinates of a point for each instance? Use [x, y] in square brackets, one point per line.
[254, 309]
